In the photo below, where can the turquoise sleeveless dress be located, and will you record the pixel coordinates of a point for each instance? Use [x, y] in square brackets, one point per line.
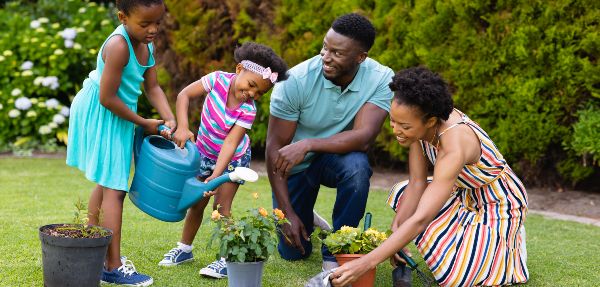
[101, 143]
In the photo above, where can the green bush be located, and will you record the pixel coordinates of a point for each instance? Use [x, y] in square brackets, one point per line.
[520, 69]
[586, 135]
[46, 51]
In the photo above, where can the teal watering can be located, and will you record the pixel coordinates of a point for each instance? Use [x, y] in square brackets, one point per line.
[164, 184]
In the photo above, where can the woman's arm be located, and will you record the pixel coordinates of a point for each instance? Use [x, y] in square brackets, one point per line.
[157, 97]
[446, 170]
[232, 140]
[417, 182]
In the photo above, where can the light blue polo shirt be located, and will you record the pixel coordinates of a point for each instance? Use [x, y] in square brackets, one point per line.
[319, 107]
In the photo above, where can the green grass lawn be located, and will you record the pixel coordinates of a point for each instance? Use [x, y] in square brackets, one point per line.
[35, 192]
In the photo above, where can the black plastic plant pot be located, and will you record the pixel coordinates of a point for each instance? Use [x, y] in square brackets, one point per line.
[72, 261]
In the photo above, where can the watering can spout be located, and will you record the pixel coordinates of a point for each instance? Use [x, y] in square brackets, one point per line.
[193, 190]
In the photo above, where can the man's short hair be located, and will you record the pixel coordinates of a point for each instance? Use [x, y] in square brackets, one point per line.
[356, 27]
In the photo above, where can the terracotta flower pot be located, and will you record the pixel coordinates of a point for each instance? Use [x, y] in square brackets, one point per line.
[367, 279]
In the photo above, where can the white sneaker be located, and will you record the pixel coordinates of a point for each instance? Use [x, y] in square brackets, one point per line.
[320, 222]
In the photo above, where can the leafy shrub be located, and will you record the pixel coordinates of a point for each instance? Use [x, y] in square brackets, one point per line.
[351, 240]
[250, 238]
[46, 51]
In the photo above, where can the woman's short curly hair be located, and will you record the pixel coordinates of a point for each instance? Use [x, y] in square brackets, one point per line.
[126, 6]
[419, 87]
[263, 56]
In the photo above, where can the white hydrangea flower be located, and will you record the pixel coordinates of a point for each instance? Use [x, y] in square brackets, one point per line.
[58, 52]
[68, 33]
[35, 24]
[44, 130]
[34, 40]
[58, 119]
[80, 29]
[40, 30]
[31, 114]
[81, 10]
[53, 125]
[27, 65]
[44, 45]
[23, 103]
[38, 81]
[77, 46]
[51, 82]
[68, 43]
[27, 73]
[14, 113]
[2, 58]
[55, 25]
[41, 105]
[33, 100]
[7, 53]
[104, 22]
[52, 103]
[93, 51]
[43, 20]
[85, 22]
[15, 92]
[65, 111]
[1, 106]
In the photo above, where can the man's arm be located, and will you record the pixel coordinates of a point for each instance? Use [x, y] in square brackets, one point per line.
[279, 134]
[367, 125]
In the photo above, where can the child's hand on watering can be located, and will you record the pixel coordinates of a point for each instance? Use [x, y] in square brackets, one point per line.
[151, 125]
[212, 192]
[181, 136]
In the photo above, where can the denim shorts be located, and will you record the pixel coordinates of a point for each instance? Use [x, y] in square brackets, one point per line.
[207, 165]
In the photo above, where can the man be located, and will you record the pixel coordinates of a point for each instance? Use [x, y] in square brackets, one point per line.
[322, 121]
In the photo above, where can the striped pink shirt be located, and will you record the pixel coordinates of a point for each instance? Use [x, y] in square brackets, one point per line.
[217, 120]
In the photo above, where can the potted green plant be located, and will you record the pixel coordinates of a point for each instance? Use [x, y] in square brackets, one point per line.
[246, 243]
[73, 253]
[349, 243]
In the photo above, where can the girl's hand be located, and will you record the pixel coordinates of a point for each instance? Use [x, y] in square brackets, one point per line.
[168, 133]
[181, 136]
[151, 125]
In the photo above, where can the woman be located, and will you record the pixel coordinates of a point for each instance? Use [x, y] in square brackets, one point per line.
[467, 221]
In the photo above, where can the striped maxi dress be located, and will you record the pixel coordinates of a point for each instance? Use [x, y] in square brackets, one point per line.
[478, 237]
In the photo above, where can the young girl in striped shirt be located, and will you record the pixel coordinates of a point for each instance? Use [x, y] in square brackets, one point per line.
[228, 112]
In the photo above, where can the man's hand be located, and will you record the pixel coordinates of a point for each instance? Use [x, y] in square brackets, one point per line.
[293, 231]
[289, 156]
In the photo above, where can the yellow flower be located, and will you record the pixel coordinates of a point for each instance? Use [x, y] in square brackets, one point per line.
[263, 212]
[215, 215]
[255, 195]
[279, 213]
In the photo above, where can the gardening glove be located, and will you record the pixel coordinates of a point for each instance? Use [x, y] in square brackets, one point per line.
[321, 280]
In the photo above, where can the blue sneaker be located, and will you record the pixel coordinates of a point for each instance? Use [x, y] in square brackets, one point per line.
[126, 275]
[176, 256]
[217, 269]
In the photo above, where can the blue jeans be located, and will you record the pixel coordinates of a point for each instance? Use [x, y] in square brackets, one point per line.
[350, 174]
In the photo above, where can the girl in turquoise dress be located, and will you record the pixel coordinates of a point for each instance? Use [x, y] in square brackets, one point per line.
[102, 120]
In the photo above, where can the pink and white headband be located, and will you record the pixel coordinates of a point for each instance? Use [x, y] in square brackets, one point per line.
[258, 69]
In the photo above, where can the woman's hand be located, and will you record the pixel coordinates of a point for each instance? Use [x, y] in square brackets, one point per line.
[394, 260]
[350, 272]
[181, 136]
[151, 125]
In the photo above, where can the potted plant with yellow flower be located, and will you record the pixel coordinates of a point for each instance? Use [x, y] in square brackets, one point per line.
[349, 243]
[246, 243]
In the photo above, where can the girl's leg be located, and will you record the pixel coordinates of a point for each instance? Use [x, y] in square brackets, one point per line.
[224, 198]
[112, 218]
[193, 220]
[94, 205]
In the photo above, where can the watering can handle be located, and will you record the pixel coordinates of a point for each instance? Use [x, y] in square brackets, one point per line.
[188, 144]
